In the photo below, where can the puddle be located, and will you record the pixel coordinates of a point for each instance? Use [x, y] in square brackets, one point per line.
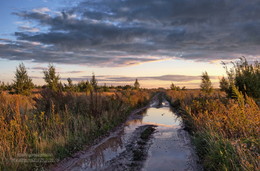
[170, 147]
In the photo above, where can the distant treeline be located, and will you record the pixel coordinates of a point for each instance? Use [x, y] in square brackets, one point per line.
[23, 84]
[242, 77]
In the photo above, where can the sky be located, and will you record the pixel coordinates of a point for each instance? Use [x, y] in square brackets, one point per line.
[159, 42]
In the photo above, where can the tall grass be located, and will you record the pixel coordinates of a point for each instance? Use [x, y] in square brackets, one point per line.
[57, 124]
[226, 131]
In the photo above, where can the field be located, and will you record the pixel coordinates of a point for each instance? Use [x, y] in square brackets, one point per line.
[41, 125]
[225, 131]
[40, 129]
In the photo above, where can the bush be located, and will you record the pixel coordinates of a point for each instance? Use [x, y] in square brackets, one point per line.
[245, 76]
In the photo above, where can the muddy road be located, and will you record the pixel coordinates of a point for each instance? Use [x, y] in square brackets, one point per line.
[152, 139]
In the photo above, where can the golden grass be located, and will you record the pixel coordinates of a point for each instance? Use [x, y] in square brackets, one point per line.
[58, 123]
[226, 131]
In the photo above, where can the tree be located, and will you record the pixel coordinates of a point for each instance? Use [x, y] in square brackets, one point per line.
[93, 82]
[136, 84]
[224, 85]
[206, 85]
[173, 87]
[23, 83]
[105, 88]
[61, 88]
[81, 86]
[245, 76]
[70, 86]
[51, 78]
[89, 87]
[2, 86]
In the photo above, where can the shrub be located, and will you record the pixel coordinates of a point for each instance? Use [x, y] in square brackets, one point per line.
[245, 76]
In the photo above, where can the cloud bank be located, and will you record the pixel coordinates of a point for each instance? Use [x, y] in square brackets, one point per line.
[125, 79]
[128, 32]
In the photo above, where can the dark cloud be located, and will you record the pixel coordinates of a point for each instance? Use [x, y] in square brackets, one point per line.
[118, 33]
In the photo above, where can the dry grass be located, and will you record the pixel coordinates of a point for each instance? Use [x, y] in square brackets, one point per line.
[226, 132]
[58, 123]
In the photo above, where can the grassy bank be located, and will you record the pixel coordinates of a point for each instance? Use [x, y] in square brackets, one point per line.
[44, 128]
[225, 131]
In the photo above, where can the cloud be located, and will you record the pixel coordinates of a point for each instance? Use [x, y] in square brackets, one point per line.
[41, 10]
[124, 79]
[39, 68]
[119, 33]
[73, 72]
[28, 29]
[163, 80]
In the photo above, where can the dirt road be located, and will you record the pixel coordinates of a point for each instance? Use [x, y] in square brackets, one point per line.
[153, 139]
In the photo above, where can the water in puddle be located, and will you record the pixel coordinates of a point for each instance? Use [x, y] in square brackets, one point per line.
[170, 149]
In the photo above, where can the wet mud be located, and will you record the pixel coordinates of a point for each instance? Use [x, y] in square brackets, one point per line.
[151, 139]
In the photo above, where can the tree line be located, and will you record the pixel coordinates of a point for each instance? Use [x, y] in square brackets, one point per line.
[241, 77]
[22, 83]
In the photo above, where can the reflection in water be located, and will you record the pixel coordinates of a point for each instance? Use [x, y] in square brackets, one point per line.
[103, 152]
[161, 116]
[109, 148]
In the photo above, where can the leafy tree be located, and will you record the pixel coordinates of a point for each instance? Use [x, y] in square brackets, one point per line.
[136, 84]
[51, 78]
[206, 85]
[23, 83]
